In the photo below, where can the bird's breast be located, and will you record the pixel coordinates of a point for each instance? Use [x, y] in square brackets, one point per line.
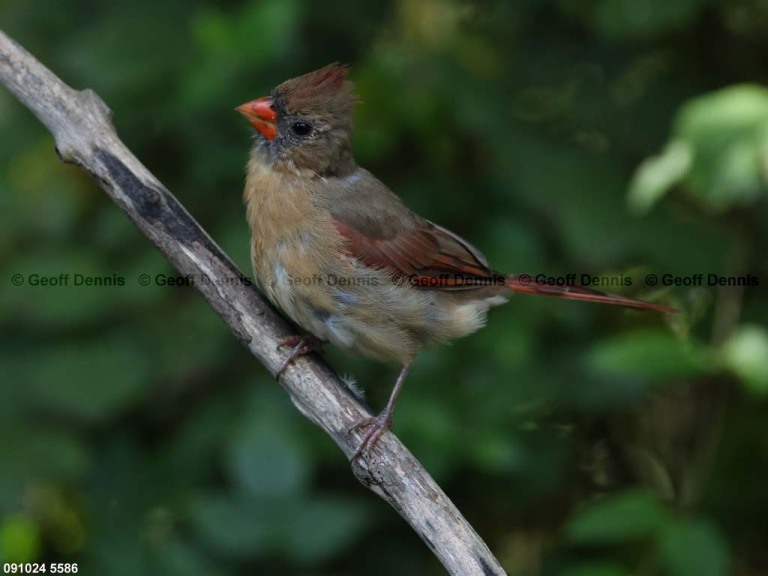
[294, 243]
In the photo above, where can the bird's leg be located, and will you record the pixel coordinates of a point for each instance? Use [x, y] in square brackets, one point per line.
[378, 424]
[300, 345]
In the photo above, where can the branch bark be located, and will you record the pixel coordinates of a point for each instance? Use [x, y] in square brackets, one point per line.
[81, 126]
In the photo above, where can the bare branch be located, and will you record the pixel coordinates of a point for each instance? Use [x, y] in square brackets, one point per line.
[81, 125]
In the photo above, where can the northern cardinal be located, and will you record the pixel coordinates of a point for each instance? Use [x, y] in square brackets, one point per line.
[344, 257]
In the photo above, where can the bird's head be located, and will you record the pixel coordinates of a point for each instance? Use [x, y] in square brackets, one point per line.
[305, 124]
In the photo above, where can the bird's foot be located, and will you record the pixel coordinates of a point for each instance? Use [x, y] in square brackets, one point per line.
[300, 345]
[376, 427]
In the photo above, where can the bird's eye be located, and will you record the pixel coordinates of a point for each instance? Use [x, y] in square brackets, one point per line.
[301, 128]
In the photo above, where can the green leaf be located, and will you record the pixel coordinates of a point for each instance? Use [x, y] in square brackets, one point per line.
[746, 353]
[19, 539]
[693, 548]
[656, 175]
[723, 116]
[618, 518]
[651, 354]
[728, 134]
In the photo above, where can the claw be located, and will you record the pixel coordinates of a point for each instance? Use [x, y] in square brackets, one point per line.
[301, 345]
[378, 425]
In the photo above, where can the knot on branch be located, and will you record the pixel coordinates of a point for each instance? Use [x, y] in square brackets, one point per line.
[89, 125]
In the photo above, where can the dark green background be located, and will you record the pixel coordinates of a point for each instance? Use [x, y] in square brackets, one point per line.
[606, 137]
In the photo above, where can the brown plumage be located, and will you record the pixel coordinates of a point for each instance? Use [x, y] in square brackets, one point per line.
[343, 256]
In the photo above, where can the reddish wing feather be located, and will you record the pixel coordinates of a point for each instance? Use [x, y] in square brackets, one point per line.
[430, 255]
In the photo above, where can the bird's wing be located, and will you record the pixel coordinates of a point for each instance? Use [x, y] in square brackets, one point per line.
[383, 233]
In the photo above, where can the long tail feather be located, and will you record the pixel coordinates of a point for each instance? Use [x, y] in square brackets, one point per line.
[528, 286]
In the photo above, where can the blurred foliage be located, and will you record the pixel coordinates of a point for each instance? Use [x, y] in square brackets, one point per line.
[606, 137]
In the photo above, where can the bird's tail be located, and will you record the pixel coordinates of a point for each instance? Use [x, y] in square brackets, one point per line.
[525, 284]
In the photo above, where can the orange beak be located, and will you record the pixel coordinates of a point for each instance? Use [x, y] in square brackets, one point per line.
[262, 114]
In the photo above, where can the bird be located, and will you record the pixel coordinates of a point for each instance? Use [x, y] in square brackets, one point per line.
[345, 258]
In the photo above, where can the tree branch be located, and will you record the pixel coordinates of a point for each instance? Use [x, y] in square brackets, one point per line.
[81, 125]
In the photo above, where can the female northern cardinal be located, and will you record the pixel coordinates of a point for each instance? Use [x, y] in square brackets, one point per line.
[344, 257]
